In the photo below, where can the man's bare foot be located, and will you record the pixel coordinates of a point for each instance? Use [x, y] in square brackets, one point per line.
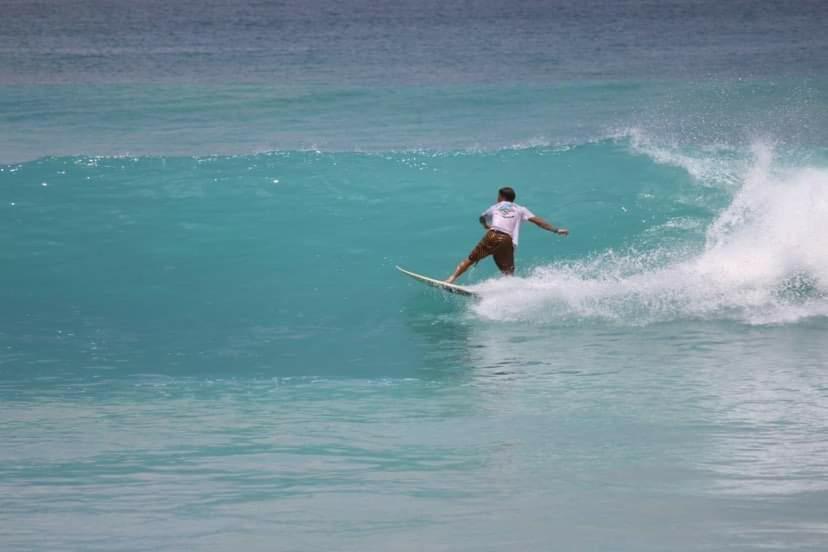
[450, 280]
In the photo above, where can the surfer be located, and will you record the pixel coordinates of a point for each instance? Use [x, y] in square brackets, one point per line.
[502, 223]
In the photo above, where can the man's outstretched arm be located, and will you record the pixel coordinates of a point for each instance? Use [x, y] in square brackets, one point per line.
[538, 221]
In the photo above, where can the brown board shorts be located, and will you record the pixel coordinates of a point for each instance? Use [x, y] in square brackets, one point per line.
[499, 246]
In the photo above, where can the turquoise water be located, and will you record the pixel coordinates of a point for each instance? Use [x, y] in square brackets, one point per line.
[204, 343]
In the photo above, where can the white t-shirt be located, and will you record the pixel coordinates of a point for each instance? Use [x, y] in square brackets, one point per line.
[506, 217]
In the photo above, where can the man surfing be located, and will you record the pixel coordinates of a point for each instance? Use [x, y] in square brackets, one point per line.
[502, 223]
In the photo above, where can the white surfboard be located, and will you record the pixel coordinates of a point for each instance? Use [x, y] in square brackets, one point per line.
[439, 284]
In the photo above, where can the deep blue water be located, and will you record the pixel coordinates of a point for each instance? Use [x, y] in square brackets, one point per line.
[204, 343]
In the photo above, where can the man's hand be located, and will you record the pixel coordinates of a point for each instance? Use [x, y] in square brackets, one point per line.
[548, 227]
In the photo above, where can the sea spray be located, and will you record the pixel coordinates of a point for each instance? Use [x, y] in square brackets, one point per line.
[762, 261]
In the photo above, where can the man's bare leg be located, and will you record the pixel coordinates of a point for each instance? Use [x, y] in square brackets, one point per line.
[461, 268]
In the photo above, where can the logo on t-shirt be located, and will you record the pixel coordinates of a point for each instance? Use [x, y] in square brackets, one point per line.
[506, 211]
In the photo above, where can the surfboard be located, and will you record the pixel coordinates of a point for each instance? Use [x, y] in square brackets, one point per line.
[439, 284]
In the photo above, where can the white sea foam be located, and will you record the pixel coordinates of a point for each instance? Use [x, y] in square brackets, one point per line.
[711, 165]
[764, 260]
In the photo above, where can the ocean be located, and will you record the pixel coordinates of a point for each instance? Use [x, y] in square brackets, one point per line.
[204, 343]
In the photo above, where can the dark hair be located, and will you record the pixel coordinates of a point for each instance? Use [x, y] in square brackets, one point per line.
[507, 193]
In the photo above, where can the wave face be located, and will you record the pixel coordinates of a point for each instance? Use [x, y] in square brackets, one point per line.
[284, 257]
